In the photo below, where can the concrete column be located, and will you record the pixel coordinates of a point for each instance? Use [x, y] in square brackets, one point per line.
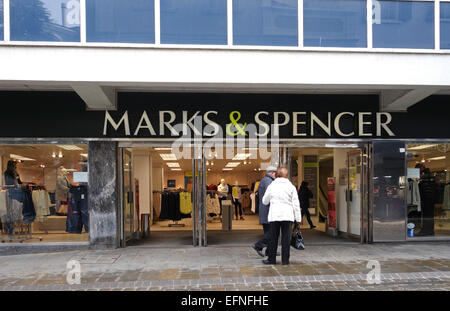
[103, 195]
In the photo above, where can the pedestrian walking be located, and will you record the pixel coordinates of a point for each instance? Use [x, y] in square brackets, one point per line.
[284, 210]
[304, 195]
[264, 210]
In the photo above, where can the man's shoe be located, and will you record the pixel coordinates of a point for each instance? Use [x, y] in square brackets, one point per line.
[312, 227]
[285, 263]
[267, 262]
[259, 251]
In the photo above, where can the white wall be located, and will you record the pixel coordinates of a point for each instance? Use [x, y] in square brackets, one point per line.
[255, 69]
[142, 172]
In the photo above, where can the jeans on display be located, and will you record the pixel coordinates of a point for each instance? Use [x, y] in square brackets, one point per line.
[77, 212]
[286, 232]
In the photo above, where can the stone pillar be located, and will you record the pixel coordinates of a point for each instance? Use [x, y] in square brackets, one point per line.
[103, 195]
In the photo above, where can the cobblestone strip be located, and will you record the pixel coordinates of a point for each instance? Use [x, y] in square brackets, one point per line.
[390, 277]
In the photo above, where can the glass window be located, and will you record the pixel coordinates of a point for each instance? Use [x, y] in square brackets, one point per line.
[121, 21]
[1, 20]
[194, 22]
[259, 22]
[45, 20]
[428, 195]
[44, 187]
[335, 23]
[389, 185]
[445, 25]
[403, 24]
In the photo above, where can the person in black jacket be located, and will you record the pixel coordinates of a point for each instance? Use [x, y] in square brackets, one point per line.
[304, 194]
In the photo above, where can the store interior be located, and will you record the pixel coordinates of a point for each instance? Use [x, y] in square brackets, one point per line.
[43, 193]
[168, 178]
[428, 195]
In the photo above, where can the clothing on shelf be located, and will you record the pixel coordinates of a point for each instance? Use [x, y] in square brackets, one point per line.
[413, 195]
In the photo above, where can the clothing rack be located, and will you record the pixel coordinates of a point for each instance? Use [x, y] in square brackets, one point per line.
[176, 224]
[24, 231]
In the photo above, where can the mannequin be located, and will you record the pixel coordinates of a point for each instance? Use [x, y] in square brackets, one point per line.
[222, 191]
[62, 190]
[236, 193]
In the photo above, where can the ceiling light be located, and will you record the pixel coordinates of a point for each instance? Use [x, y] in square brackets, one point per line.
[84, 155]
[171, 164]
[176, 169]
[42, 166]
[227, 169]
[420, 147]
[69, 147]
[168, 156]
[163, 149]
[438, 158]
[241, 156]
[60, 155]
[20, 158]
[233, 164]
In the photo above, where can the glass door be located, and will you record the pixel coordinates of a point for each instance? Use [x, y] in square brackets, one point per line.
[127, 197]
[354, 192]
[199, 197]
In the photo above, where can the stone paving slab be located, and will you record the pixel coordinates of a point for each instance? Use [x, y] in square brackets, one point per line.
[234, 268]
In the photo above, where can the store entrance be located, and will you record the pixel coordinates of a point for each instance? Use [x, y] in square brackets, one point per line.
[206, 198]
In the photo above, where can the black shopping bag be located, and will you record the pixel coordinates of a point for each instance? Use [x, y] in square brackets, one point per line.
[297, 240]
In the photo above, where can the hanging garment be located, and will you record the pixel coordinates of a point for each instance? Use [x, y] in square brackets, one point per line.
[212, 205]
[157, 204]
[256, 186]
[252, 197]
[446, 201]
[3, 203]
[413, 195]
[41, 201]
[245, 200]
[185, 203]
[170, 206]
[77, 211]
[28, 210]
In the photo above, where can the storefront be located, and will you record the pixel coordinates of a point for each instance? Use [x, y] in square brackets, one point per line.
[94, 176]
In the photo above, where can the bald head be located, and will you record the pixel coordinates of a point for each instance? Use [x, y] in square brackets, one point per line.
[282, 172]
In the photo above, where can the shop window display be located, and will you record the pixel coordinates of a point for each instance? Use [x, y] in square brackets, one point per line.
[428, 195]
[44, 193]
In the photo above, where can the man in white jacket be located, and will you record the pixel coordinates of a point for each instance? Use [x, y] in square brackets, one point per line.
[284, 209]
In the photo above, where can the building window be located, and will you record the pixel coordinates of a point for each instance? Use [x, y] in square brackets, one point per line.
[445, 25]
[44, 188]
[194, 22]
[45, 20]
[1, 20]
[428, 195]
[403, 24]
[335, 23]
[120, 21]
[263, 22]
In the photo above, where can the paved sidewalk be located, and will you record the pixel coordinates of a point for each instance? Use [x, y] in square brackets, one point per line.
[418, 266]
